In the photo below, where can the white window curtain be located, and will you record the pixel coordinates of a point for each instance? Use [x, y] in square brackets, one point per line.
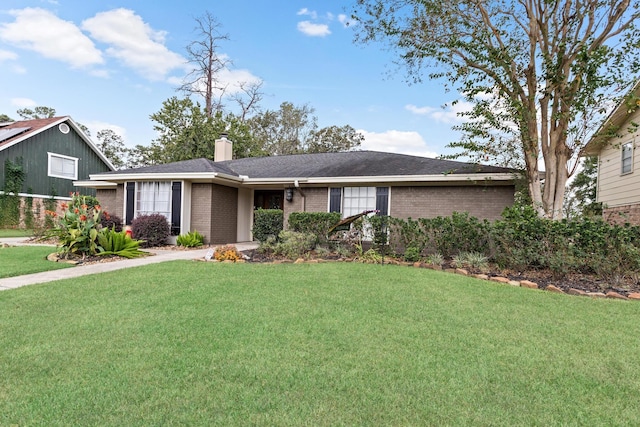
[153, 197]
[358, 199]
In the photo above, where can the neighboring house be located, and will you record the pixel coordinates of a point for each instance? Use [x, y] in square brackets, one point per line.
[217, 198]
[615, 143]
[53, 153]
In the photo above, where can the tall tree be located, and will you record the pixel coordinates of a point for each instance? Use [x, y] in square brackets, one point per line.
[39, 112]
[208, 62]
[5, 118]
[536, 71]
[112, 146]
[333, 139]
[284, 131]
[186, 132]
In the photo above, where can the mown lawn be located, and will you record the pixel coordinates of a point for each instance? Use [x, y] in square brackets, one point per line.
[19, 260]
[15, 232]
[193, 343]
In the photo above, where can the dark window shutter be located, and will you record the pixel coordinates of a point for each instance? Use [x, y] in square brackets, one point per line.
[335, 197]
[382, 200]
[176, 195]
[130, 194]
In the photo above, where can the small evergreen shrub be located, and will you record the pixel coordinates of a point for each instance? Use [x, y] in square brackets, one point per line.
[412, 254]
[192, 239]
[267, 222]
[152, 229]
[316, 223]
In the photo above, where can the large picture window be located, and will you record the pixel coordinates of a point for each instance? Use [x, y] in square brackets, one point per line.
[354, 200]
[153, 197]
[627, 158]
[61, 166]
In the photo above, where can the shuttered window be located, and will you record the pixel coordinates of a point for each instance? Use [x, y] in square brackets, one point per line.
[335, 199]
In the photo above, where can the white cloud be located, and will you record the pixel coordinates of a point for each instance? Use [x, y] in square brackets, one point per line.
[41, 31]
[449, 114]
[6, 55]
[134, 42]
[396, 141]
[100, 73]
[346, 21]
[96, 126]
[306, 12]
[314, 30]
[23, 102]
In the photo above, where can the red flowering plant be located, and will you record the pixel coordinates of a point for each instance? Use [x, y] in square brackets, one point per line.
[78, 225]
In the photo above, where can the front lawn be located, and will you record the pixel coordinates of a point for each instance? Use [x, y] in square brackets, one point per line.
[20, 260]
[195, 343]
[15, 232]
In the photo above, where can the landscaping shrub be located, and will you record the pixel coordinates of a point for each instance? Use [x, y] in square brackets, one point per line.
[118, 243]
[316, 223]
[112, 222]
[190, 240]
[152, 229]
[76, 227]
[412, 254]
[267, 222]
[289, 244]
[227, 253]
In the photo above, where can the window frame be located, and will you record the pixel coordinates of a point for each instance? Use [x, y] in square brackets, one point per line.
[629, 158]
[53, 174]
[137, 211]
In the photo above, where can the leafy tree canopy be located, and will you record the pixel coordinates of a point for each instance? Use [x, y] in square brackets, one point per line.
[538, 73]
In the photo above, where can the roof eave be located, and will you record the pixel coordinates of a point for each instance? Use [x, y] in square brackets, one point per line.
[449, 178]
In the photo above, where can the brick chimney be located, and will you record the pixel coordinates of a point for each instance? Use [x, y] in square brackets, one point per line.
[223, 149]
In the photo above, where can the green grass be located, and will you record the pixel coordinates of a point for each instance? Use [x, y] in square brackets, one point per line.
[19, 260]
[15, 232]
[192, 343]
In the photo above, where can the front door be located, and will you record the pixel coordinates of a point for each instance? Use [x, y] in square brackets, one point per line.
[268, 199]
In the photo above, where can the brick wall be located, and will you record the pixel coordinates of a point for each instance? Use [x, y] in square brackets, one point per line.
[622, 214]
[112, 200]
[429, 202]
[315, 200]
[201, 209]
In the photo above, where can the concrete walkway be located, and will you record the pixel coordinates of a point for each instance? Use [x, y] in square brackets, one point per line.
[82, 270]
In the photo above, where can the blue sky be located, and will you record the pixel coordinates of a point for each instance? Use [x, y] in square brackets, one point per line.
[110, 64]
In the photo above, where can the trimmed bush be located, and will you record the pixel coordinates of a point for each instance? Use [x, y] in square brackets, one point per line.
[316, 223]
[267, 222]
[153, 229]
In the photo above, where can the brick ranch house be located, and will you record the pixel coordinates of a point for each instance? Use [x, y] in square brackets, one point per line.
[217, 198]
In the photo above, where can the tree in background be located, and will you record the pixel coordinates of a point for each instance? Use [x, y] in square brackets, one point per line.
[39, 112]
[536, 72]
[333, 139]
[5, 118]
[112, 146]
[284, 131]
[581, 198]
[186, 132]
[204, 54]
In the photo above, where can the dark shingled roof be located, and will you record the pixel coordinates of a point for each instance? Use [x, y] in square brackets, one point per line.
[351, 163]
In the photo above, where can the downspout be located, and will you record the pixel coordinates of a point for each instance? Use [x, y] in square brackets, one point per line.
[304, 200]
